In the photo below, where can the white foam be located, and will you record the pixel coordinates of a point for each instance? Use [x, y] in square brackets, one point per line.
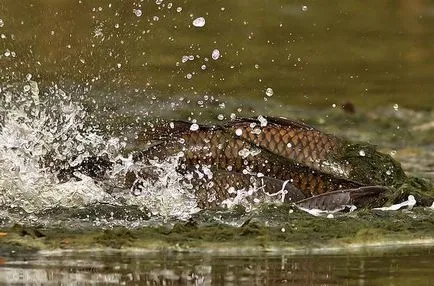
[409, 203]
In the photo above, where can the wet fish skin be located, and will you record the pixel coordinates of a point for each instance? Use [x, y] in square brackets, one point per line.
[321, 151]
[296, 141]
[224, 185]
[219, 148]
[239, 159]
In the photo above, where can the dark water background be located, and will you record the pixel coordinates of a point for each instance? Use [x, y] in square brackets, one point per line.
[127, 66]
[371, 53]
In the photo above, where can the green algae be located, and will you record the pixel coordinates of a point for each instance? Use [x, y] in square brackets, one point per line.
[269, 227]
[370, 166]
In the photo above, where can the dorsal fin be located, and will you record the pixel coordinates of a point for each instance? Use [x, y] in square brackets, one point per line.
[177, 128]
[274, 120]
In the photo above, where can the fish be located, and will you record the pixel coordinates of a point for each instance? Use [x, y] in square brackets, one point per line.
[275, 155]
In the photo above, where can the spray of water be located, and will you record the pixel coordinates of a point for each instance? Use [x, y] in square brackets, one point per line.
[42, 134]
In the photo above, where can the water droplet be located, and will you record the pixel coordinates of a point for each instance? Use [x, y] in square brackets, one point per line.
[189, 76]
[388, 172]
[362, 153]
[262, 120]
[194, 127]
[220, 117]
[282, 229]
[304, 8]
[269, 91]
[396, 107]
[138, 12]
[179, 9]
[215, 54]
[239, 132]
[199, 22]
[203, 67]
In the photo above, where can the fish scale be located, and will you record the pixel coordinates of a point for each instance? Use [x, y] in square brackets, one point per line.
[307, 145]
[196, 151]
[227, 185]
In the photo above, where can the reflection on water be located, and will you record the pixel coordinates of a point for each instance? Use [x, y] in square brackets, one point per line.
[383, 267]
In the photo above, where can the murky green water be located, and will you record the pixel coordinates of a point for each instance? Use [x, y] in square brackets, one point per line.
[379, 267]
[131, 61]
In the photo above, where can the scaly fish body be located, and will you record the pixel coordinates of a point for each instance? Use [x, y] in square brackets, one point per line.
[296, 141]
[221, 149]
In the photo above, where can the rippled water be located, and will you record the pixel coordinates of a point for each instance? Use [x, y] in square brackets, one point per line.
[379, 267]
[83, 78]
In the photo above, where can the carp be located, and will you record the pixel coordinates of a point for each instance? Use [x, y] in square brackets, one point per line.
[276, 156]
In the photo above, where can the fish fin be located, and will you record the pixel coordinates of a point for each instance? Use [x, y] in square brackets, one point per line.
[330, 201]
[274, 120]
[177, 128]
[288, 122]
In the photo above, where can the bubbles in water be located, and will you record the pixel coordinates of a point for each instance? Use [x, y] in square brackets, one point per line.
[220, 117]
[304, 8]
[203, 67]
[396, 107]
[137, 12]
[1, 23]
[269, 91]
[362, 153]
[199, 22]
[189, 76]
[239, 132]
[215, 54]
[289, 145]
[178, 9]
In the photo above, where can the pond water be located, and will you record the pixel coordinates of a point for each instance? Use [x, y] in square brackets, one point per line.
[81, 78]
[379, 267]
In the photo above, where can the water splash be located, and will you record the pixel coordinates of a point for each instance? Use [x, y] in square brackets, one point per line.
[39, 137]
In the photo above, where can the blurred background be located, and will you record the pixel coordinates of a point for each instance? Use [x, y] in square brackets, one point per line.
[135, 57]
